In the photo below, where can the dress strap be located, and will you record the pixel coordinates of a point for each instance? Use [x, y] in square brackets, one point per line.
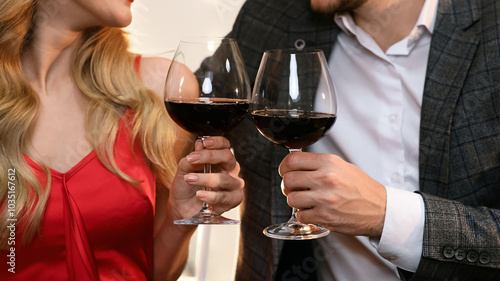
[137, 65]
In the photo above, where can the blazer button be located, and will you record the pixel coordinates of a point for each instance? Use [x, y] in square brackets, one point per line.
[460, 254]
[484, 258]
[448, 252]
[300, 44]
[472, 256]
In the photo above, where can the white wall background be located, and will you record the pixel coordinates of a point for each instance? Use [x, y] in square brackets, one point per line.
[158, 25]
[156, 28]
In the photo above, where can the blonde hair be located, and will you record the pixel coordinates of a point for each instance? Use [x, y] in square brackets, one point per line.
[103, 70]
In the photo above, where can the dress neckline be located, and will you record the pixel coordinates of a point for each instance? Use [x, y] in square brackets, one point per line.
[73, 170]
[80, 164]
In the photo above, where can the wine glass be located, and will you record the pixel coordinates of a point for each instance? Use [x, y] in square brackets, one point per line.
[293, 105]
[207, 93]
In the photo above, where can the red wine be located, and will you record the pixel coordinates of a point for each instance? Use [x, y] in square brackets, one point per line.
[207, 116]
[292, 129]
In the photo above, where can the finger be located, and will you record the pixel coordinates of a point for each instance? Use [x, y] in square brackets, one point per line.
[306, 161]
[220, 181]
[301, 199]
[310, 216]
[298, 180]
[189, 164]
[185, 166]
[216, 143]
[222, 157]
[198, 145]
[221, 201]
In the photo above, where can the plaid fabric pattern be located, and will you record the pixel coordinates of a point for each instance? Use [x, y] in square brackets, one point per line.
[460, 143]
[265, 25]
[459, 140]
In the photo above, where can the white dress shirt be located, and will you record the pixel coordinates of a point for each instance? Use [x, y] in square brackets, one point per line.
[379, 100]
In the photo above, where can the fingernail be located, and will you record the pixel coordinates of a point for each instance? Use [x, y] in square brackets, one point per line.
[193, 157]
[190, 178]
[201, 195]
[208, 143]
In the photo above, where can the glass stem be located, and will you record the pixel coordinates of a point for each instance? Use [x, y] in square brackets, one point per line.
[293, 219]
[206, 210]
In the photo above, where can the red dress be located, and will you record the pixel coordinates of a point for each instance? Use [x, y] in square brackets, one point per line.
[96, 226]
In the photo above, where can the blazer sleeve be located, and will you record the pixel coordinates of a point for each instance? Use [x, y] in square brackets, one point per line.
[460, 145]
[460, 242]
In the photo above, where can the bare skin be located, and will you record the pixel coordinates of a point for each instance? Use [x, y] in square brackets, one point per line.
[59, 131]
[387, 21]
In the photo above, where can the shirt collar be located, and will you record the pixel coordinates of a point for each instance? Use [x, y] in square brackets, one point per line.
[426, 19]
[425, 22]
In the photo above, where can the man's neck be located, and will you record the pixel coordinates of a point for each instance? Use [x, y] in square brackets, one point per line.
[388, 21]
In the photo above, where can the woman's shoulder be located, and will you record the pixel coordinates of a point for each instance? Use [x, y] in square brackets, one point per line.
[153, 71]
[154, 62]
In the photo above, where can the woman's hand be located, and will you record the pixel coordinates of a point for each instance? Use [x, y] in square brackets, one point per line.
[185, 194]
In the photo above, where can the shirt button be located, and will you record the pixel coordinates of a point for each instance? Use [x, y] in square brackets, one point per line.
[472, 256]
[392, 118]
[448, 252]
[484, 258]
[460, 254]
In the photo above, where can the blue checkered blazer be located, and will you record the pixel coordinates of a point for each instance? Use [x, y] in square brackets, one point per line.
[459, 141]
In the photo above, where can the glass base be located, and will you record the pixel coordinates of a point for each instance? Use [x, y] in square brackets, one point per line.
[206, 218]
[295, 231]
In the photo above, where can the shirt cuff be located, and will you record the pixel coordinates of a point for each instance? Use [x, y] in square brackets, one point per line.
[402, 235]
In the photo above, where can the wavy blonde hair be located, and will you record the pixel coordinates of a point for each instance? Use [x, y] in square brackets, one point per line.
[103, 70]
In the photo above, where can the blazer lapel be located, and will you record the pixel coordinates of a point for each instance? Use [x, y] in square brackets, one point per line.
[453, 47]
